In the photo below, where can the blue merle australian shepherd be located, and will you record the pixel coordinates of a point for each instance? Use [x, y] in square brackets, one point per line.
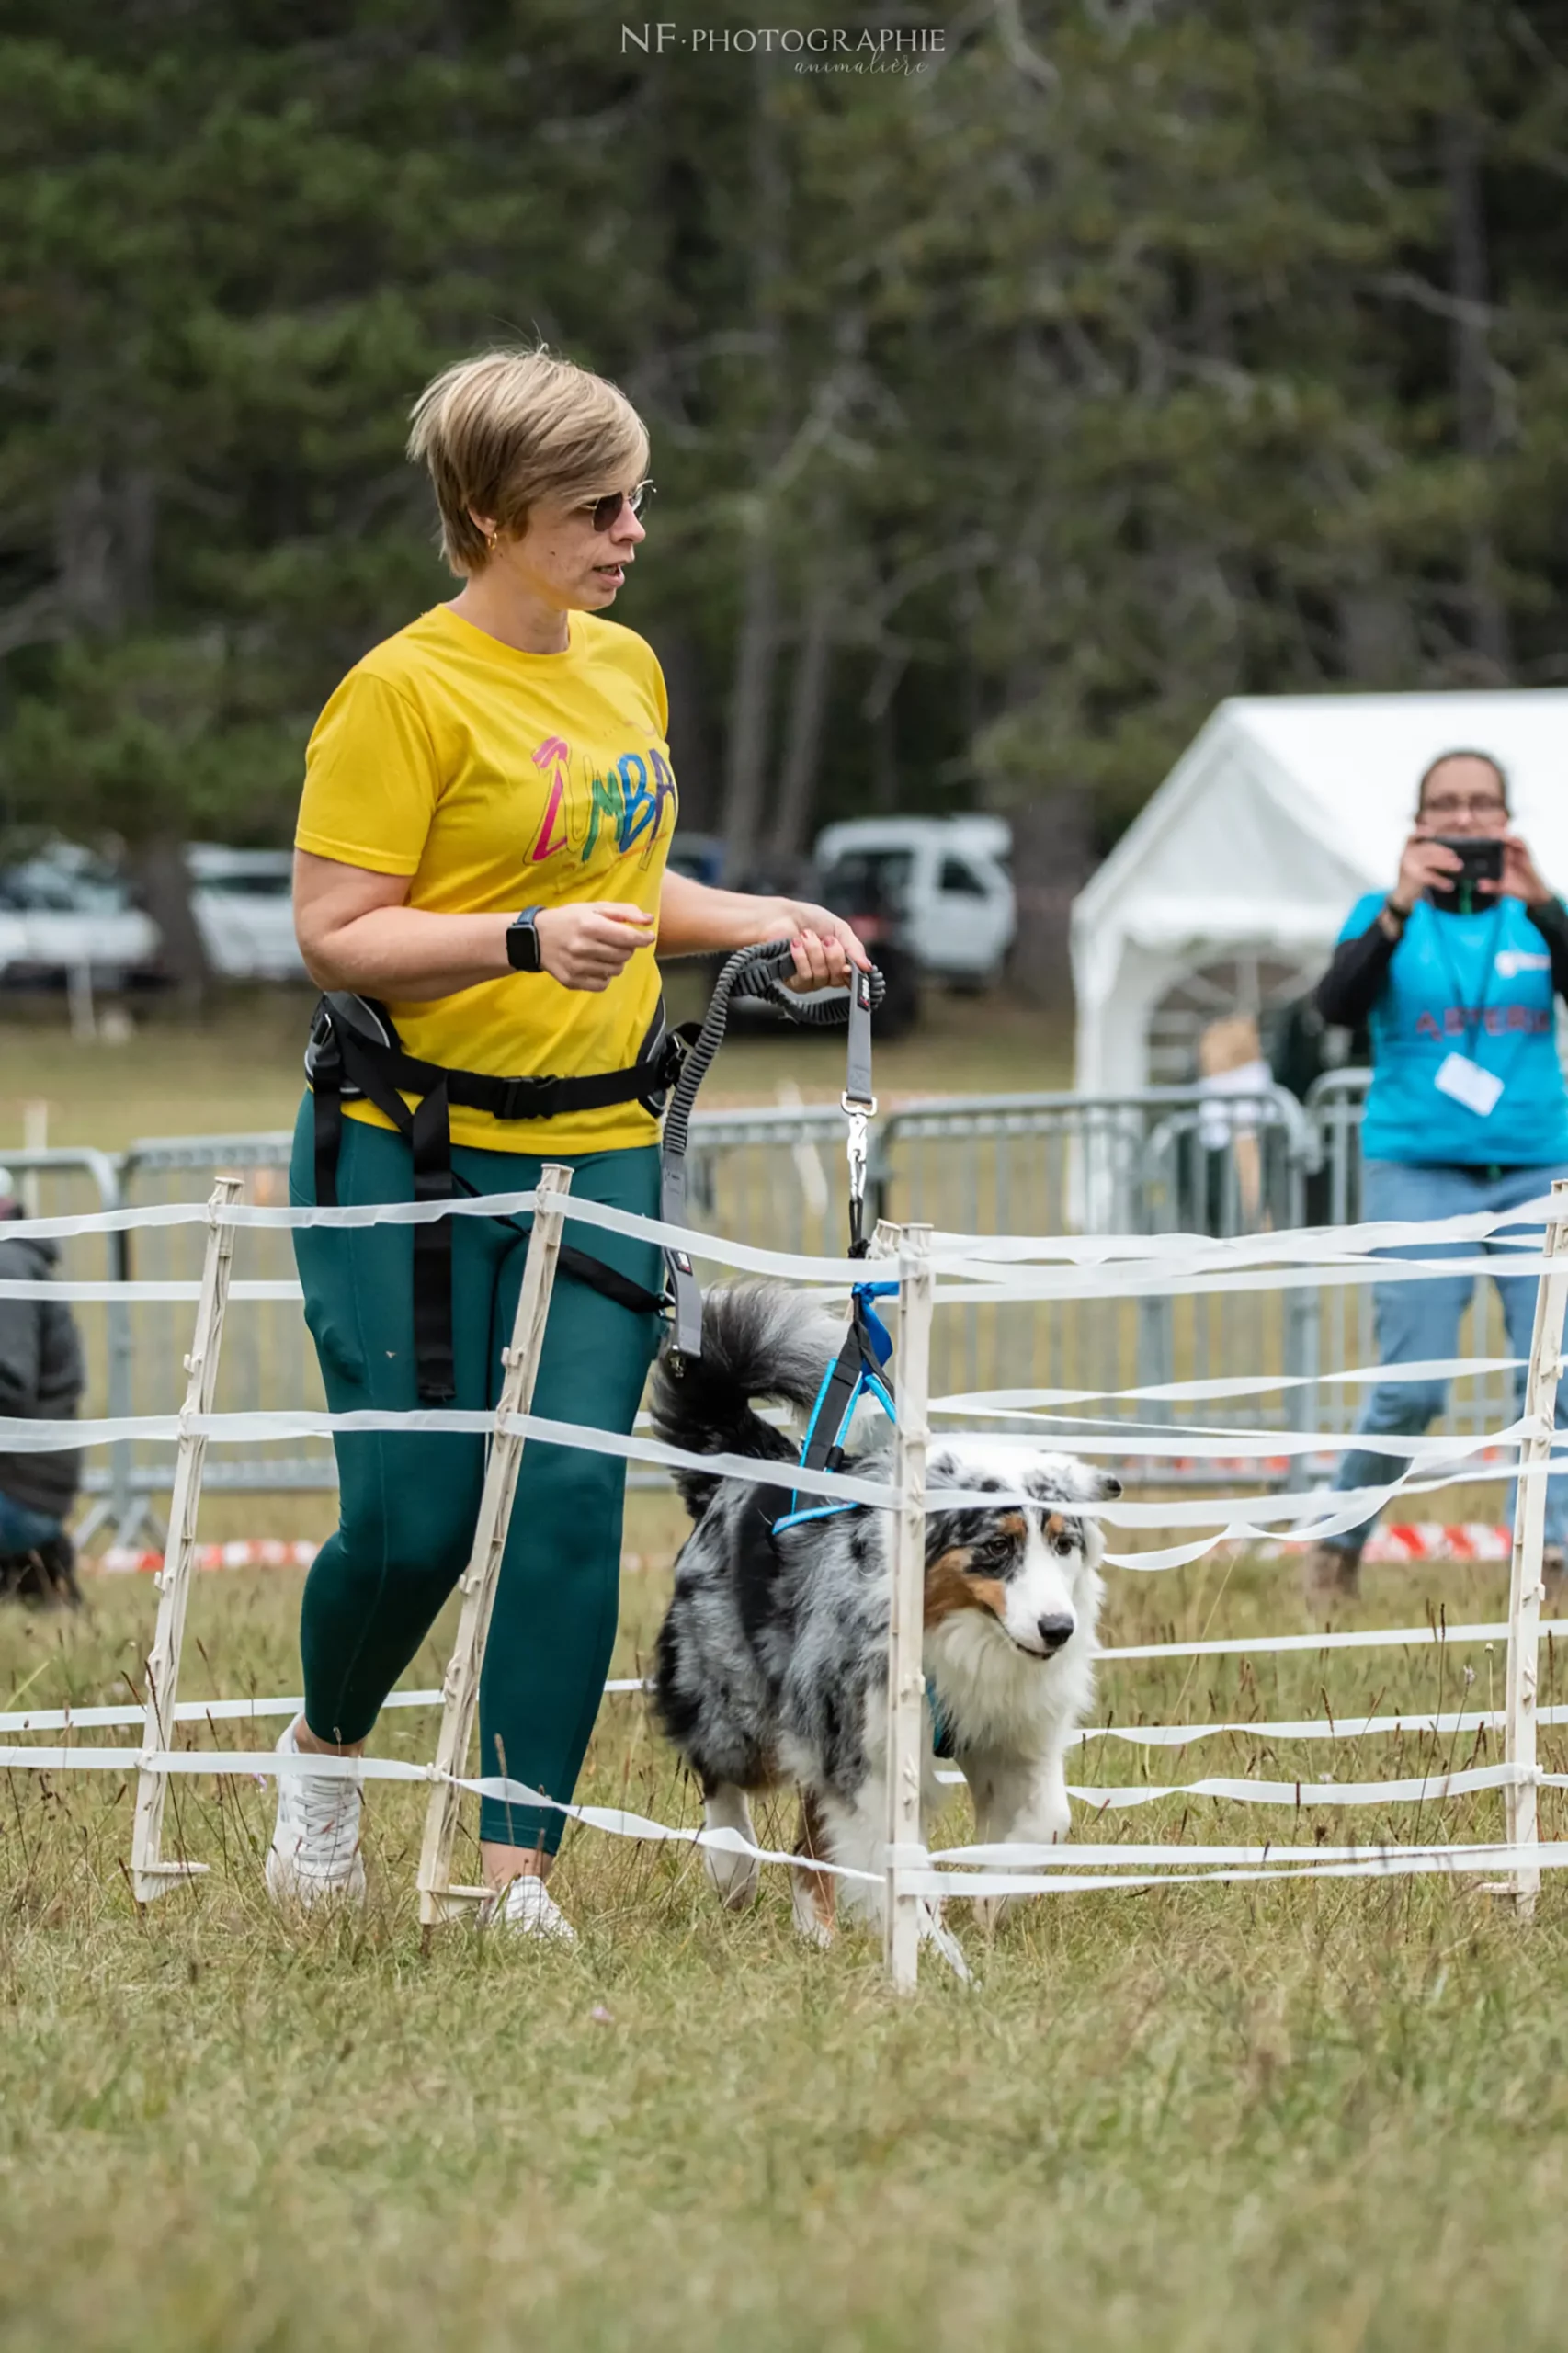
[771, 1665]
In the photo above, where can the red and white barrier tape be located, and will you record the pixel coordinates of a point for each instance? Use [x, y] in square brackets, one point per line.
[247, 1552]
[1472, 1539]
[1426, 1539]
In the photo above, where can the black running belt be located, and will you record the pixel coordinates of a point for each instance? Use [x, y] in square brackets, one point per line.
[360, 1022]
[355, 1050]
[355, 1054]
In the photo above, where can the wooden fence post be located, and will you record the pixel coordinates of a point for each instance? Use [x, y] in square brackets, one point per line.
[439, 1899]
[1525, 1588]
[150, 1875]
[907, 1624]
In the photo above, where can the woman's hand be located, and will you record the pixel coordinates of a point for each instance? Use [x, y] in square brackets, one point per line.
[1425, 866]
[355, 932]
[824, 946]
[587, 947]
[1520, 878]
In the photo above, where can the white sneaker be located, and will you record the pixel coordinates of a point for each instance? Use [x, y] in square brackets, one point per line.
[526, 1906]
[314, 1856]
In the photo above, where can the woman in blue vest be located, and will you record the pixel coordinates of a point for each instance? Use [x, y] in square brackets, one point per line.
[1468, 1111]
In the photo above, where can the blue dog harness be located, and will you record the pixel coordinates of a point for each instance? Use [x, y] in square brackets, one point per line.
[855, 1373]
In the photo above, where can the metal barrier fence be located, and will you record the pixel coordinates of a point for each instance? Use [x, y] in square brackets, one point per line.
[1165, 1160]
[268, 1358]
[1335, 1105]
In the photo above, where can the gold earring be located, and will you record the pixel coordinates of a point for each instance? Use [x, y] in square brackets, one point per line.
[491, 540]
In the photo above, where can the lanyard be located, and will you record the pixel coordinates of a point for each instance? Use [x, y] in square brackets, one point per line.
[1467, 1013]
[1494, 936]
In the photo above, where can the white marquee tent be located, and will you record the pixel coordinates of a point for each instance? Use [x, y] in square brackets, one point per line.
[1274, 821]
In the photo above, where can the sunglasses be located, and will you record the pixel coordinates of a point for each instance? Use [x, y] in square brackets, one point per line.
[606, 511]
[1461, 804]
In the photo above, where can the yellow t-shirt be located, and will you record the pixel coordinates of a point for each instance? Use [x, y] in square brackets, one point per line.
[499, 780]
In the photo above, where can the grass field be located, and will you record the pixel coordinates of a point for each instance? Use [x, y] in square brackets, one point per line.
[1326, 2116]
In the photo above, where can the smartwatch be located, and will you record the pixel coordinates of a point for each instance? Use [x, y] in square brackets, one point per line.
[522, 942]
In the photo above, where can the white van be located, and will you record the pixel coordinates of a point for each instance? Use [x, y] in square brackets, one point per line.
[945, 878]
[242, 900]
[67, 910]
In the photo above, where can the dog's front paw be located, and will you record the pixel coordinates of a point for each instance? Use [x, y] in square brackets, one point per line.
[934, 1931]
[734, 1878]
[734, 1874]
[811, 1900]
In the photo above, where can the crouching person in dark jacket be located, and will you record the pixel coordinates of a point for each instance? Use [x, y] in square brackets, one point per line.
[40, 1381]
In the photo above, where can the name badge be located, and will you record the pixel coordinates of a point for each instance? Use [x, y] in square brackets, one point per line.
[1476, 1088]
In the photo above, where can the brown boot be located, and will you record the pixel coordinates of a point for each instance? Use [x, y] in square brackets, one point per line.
[1554, 1578]
[1330, 1575]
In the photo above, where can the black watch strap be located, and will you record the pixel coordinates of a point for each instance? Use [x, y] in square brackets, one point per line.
[522, 942]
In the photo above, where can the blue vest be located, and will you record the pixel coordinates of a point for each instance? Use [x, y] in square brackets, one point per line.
[1478, 986]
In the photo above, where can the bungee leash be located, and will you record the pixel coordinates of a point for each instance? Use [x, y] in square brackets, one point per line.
[761, 974]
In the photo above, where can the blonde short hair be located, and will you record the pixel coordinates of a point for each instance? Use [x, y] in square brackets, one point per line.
[502, 431]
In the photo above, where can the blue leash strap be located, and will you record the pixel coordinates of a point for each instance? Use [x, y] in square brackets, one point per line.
[877, 1332]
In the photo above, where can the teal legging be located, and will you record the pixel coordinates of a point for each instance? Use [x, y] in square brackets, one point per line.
[409, 1501]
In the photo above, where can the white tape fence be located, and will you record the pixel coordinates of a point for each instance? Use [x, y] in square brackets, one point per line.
[971, 1166]
[934, 1271]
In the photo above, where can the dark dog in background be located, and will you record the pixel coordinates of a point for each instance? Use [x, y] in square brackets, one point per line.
[42, 1379]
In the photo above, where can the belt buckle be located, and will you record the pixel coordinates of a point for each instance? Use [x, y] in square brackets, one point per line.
[519, 1094]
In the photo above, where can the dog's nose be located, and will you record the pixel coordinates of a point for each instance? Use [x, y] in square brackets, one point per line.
[1054, 1631]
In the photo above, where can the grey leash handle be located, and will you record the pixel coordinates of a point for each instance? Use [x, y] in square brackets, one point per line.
[686, 1292]
[858, 1104]
[759, 973]
[858, 1077]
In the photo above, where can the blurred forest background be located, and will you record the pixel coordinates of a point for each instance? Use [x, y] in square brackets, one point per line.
[1006, 414]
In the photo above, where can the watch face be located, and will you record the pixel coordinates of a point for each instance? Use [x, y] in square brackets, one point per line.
[522, 945]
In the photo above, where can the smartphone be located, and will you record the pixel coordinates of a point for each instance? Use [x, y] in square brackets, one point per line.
[1481, 861]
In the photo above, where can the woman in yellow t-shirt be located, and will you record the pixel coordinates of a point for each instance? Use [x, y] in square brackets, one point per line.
[488, 804]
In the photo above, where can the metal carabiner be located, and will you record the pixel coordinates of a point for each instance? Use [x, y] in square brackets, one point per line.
[859, 1115]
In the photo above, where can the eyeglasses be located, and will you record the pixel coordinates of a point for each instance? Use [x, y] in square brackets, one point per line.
[607, 510]
[1489, 804]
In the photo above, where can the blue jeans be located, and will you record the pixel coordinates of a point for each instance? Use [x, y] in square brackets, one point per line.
[22, 1530]
[1420, 1321]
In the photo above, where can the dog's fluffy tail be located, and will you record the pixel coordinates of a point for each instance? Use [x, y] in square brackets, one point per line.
[760, 1341]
